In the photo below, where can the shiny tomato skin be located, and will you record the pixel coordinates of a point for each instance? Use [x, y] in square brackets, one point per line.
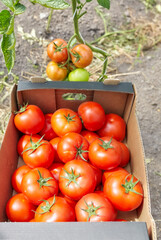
[24, 140]
[61, 211]
[90, 136]
[43, 156]
[107, 173]
[18, 176]
[64, 121]
[92, 115]
[54, 142]
[125, 155]
[98, 174]
[114, 126]
[57, 56]
[33, 190]
[30, 121]
[85, 181]
[115, 192]
[56, 73]
[85, 53]
[105, 211]
[71, 202]
[79, 75]
[102, 158]
[68, 147]
[55, 170]
[20, 209]
[47, 130]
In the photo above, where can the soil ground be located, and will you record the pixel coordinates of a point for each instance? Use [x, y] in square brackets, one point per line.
[147, 80]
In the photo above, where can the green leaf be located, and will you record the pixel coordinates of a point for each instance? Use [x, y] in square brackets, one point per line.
[5, 19]
[88, 0]
[19, 8]
[104, 3]
[54, 4]
[8, 49]
[11, 26]
[9, 4]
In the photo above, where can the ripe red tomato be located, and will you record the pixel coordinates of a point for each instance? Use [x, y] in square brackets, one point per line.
[55, 72]
[92, 115]
[55, 170]
[90, 136]
[39, 184]
[81, 55]
[24, 140]
[64, 121]
[17, 177]
[107, 173]
[56, 51]
[105, 153]
[125, 155]
[54, 142]
[47, 130]
[98, 174]
[71, 202]
[114, 126]
[20, 209]
[93, 207]
[76, 179]
[29, 119]
[38, 154]
[124, 191]
[73, 146]
[55, 209]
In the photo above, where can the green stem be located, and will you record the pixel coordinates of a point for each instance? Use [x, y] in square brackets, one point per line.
[49, 19]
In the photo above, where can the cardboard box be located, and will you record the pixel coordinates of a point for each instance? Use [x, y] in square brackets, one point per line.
[119, 99]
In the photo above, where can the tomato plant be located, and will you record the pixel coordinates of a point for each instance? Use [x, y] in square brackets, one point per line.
[56, 72]
[92, 115]
[76, 179]
[47, 132]
[94, 207]
[56, 50]
[39, 184]
[81, 55]
[79, 75]
[29, 119]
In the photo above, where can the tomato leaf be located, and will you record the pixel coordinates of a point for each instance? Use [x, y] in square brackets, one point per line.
[55, 4]
[8, 49]
[104, 3]
[88, 0]
[9, 4]
[5, 20]
[19, 8]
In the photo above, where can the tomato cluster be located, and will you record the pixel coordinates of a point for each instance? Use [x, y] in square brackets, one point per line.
[68, 63]
[74, 166]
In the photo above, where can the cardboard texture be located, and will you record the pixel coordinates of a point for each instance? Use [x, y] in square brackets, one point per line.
[118, 99]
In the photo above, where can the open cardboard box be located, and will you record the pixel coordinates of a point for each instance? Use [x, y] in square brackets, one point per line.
[119, 99]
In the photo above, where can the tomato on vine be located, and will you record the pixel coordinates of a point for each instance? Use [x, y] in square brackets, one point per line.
[56, 72]
[57, 51]
[79, 75]
[81, 55]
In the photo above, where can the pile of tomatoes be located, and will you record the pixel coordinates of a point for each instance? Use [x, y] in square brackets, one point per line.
[68, 64]
[73, 166]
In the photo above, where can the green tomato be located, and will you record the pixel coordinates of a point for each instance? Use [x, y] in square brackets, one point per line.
[79, 75]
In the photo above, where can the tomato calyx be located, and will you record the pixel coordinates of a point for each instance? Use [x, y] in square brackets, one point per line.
[105, 145]
[34, 146]
[91, 210]
[80, 151]
[47, 207]
[129, 185]
[22, 109]
[71, 177]
[69, 118]
[76, 55]
[43, 181]
[58, 48]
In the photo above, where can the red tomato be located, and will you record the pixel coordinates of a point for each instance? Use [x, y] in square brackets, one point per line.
[92, 115]
[125, 155]
[94, 207]
[38, 154]
[98, 174]
[76, 179]
[39, 184]
[124, 191]
[73, 146]
[55, 170]
[54, 142]
[90, 136]
[47, 130]
[71, 202]
[17, 177]
[56, 51]
[105, 153]
[108, 173]
[55, 209]
[29, 119]
[24, 140]
[64, 121]
[56, 72]
[114, 126]
[32, 220]
[20, 209]
[81, 56]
